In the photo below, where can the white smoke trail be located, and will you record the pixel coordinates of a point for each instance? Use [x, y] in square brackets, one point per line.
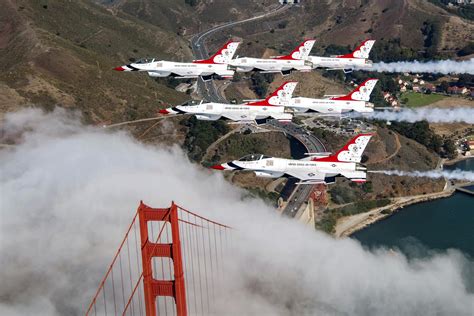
[68, 193]
[434, 174]
[432, 115]
[441, 66]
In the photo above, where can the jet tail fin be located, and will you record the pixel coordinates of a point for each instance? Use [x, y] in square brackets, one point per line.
[361, 93]
[223, 55]
[362, 51]
[301, 52]
[279, 97]
[351, 152]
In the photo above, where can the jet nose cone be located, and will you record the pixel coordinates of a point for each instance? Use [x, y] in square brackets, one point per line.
[218, 167]
[120, 68]
[164, 111]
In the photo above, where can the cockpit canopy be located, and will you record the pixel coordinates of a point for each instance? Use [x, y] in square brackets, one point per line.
[191, 102]
[253, 157]
[145, 60]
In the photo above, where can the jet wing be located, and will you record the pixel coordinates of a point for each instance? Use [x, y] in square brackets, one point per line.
[282, 117]
[307, 176]
[240, 116]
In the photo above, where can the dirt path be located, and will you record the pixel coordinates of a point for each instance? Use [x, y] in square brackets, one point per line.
[399, 145]
[214, 144]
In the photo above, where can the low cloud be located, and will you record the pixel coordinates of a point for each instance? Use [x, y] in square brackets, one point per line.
[68, 193]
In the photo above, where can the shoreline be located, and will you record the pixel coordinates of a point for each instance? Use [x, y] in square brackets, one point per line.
[348, 225]
[456, 160]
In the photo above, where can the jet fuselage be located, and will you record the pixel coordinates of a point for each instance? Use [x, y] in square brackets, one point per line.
[329, 106]
[164, 68]
[246, 64]
[235, 112]
[339, 63]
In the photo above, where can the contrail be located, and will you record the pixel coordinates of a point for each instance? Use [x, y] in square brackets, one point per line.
[441, 66]
[432, 115]
[456, 174]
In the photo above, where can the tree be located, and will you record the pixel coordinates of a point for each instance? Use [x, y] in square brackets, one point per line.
[444, 86]
[450, 148]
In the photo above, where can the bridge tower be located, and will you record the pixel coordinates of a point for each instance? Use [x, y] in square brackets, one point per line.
[154, 288]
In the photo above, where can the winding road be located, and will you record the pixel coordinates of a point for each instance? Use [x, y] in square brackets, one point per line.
[208, 89]
[209, 92]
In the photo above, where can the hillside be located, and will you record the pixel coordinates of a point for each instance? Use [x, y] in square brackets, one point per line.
[188, 16]
[57, 53]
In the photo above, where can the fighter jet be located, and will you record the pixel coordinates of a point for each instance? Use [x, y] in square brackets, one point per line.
[315, 169]
[357, 101]
[358, 59]
[207, 69]
[255, 111]
[296, 61]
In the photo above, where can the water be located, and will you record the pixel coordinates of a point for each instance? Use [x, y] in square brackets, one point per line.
[420, 229]
[467, 164]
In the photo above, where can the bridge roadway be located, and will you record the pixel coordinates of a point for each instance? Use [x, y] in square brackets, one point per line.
[210, 92]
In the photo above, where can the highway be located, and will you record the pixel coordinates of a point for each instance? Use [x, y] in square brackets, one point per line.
[210, 92]
[208, 89]
[300, 193]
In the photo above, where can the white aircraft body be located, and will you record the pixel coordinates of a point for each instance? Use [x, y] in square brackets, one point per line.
[357, 101]
[271, 107]
[215, 66]
[358, 59]
[296, 61]
[315, 169]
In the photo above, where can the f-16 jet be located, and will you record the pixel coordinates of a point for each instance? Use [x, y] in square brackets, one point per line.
[315, 169]
[207, 69]
[356, 101]
[358, 59]
[296, 61]
[254, 111]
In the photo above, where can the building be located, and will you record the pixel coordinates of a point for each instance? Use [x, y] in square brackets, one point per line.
[457, 90]
[471, 145]
[431, 87]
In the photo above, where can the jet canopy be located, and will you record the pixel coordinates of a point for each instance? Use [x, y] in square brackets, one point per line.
[191, 102]
[145, 60]
[253, 157]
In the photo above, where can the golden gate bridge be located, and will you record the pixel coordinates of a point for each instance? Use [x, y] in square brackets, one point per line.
[170, 262]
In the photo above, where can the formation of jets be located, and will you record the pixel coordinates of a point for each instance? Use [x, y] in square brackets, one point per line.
[280, 105]
[223, 65]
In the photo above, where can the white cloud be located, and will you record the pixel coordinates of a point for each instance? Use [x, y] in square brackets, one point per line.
[68, 192]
